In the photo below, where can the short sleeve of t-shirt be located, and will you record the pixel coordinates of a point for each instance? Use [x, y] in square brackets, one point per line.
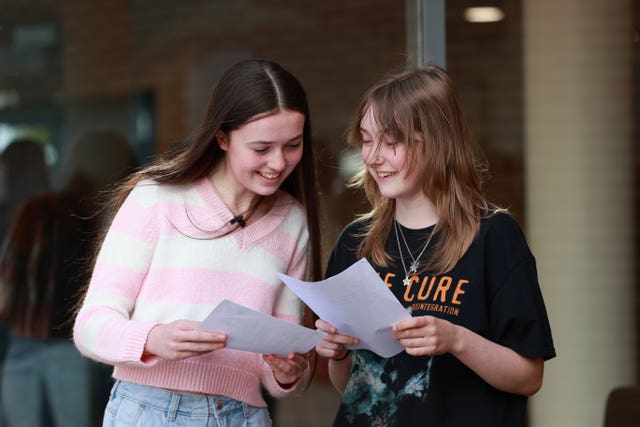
[517, 314]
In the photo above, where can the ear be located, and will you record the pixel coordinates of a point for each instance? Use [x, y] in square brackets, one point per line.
[223, 142]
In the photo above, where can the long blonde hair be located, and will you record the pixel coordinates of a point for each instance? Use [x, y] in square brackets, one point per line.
[422, 108]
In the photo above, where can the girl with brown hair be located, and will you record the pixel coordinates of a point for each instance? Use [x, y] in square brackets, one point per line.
[215, 219]
[479, 333]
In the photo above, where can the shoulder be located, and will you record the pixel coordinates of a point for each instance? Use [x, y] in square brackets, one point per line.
[351, 236]
[501, 223]
[150, 202]
[501, 235]
[356, 228]
[288, 214]
[345, 249]
[148, 192]
[290, 205]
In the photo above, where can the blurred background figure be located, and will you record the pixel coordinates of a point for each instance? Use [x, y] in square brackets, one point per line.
[45, 381]
[23, 173]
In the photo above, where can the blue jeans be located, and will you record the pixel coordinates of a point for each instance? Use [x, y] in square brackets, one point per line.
[42, 379]
[139, 405]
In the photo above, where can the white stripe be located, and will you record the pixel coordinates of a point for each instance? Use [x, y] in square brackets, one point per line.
[94, 324]
[295, 225]
[186, 252]
[122, 249]
[288, 304]
[168, 311]
[148, 193]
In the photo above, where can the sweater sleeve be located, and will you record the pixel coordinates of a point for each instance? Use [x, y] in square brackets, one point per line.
[103, 329]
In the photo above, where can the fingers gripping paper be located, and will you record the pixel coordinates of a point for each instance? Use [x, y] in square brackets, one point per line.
[358, 303]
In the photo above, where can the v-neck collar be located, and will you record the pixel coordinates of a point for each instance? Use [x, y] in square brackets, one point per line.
[217, 214]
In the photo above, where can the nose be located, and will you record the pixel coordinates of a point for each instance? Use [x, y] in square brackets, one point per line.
[277, 160]
[372, 156]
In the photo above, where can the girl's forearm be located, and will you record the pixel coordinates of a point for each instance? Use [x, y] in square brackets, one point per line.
[499, 366]
[339, 372]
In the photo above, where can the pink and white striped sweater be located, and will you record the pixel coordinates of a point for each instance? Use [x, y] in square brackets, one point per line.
[157, 264]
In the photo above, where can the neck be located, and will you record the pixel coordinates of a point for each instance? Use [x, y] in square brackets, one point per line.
[416, 213]
[237, 198]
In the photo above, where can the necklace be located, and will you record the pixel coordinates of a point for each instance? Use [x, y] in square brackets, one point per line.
[415, 262]
[240, 219]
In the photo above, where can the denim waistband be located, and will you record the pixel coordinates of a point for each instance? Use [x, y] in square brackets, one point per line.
[173, 402]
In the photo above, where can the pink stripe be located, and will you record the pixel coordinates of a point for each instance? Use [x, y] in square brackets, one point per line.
[115, 280]
[298, 269]
[202, 286]
[288, 318]
[133, 219]
[137, 220]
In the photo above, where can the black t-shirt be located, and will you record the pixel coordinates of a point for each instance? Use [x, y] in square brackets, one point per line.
[493, 291]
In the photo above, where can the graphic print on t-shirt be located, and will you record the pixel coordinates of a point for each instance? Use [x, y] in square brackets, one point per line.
[377, 385]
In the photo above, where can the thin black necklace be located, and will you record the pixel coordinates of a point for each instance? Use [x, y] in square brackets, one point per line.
[415, 262]
[240, 219]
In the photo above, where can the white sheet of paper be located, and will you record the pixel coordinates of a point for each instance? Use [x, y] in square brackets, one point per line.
[257, 332]
[358, 303]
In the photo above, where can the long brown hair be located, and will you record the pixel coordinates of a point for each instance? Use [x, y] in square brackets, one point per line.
[248, 88]
[245, 90]
[422, 108]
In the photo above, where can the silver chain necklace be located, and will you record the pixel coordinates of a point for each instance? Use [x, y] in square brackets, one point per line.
[415, 262]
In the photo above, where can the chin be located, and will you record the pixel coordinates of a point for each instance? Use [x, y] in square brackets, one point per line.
[388, 193]
[268, 191]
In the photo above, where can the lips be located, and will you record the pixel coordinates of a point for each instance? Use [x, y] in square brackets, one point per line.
[383, 175]
[269, 176]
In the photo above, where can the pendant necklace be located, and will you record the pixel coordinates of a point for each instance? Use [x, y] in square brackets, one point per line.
[415, 262]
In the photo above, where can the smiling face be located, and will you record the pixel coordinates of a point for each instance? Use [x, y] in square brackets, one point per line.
[387, 161]
[263, 152]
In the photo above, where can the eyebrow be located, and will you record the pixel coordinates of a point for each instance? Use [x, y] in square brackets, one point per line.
[271, 142]
[382, 133]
